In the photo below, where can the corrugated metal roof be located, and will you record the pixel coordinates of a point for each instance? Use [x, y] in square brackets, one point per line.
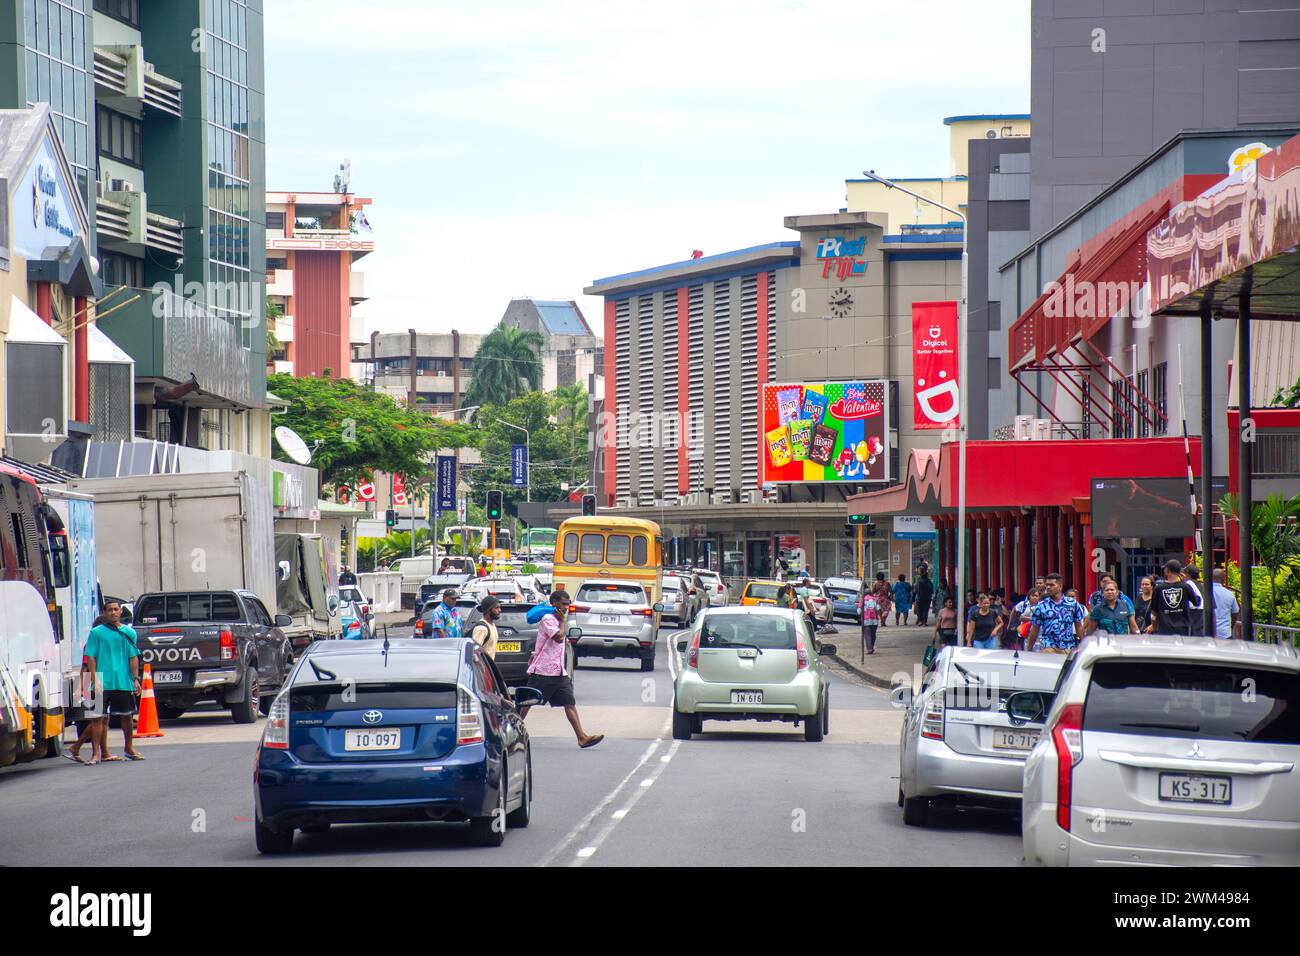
[562, 317]
[43, 474]
[1274, 361]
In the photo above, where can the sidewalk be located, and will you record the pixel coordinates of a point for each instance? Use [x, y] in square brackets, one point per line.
[898, 651]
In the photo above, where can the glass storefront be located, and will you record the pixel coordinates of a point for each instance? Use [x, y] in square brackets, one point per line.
[837, 556]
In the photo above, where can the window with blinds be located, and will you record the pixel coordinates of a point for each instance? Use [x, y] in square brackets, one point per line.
[643, 434]
[749, 381]
[771, 325]
[721, 437]
[622, 397]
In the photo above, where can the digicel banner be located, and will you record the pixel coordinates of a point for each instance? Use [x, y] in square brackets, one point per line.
[934, 365]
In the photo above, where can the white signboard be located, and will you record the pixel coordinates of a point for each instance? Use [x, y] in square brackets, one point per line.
[913, 526]
[313, 515]
[44, 207]
[371, 528]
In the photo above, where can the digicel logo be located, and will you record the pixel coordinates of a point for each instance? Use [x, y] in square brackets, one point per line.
[846, 409]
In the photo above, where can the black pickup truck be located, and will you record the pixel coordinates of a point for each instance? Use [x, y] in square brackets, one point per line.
[212, 645]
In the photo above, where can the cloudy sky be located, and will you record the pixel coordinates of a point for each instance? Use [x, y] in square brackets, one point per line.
[529, 148]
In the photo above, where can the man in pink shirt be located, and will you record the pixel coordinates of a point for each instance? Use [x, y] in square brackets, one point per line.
[546, 669]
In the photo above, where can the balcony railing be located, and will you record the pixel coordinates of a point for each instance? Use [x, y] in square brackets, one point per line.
[123, 71]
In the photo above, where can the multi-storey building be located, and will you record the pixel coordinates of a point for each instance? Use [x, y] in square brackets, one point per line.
[430, 370]
[313, 240]
[570, 350]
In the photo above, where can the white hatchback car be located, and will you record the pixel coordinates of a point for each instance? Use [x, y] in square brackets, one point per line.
[1166, 750]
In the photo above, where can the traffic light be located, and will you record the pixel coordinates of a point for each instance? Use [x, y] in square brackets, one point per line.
[588, 505]
[859, 519]
[390, 518]
[494, 505]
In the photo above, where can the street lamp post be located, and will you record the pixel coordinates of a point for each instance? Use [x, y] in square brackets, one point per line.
[963, 336]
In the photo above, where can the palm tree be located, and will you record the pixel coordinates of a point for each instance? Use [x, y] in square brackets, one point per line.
[570, 407]
[1274, 535]
[505, 367]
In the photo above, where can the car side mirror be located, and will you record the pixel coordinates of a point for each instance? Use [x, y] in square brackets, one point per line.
[526, 696]
[1026, 706]
[574, 633]
[902, 695]
[370, 616]
[283, 620]
[126, 616]
[332, 602]
[826, 649]
[682, 644]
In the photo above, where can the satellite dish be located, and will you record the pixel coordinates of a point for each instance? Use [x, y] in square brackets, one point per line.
[292, 445]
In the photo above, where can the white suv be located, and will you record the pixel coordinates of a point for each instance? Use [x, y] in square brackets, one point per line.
[1166, 750]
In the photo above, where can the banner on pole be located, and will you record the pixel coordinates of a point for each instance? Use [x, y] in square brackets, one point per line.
[934, 365]
[446, 497]
[519, 465]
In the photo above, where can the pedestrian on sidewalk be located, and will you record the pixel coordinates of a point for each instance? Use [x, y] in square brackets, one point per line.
[1113, 615]
[869, 611]
[112, 667]
[1172, 602]
[1142, 604]
[945, 624]
[346, 577]
[1097, 596]
[884, 597]
[546, 669]
[1227, 612]
[1057, 620]
[446, 620]
[924, 595]
[1017, 629]
[983, 624]
[902, 599]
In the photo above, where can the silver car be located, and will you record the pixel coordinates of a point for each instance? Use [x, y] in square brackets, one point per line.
[681, 601]
[959, 745]
[1167, 750]
[614, 619]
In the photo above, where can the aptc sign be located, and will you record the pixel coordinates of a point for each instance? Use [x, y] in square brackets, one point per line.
[934, 365]
[913, 527]
[839, 256]
[519, 465]
[824, 431]
[446, 497]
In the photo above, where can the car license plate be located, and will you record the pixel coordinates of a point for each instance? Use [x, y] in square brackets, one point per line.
[1195, 788]
[1014, 739]
[611, 619]
[747, 697]
[372, 739]
[508, 647]
[169, 677]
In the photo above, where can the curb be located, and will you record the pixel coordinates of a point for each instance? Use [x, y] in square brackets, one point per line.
[873, 679]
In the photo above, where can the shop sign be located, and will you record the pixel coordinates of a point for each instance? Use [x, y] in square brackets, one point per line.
[914, 527]
[839, 256]
[934, 365]
[45, 212]
[820, 432]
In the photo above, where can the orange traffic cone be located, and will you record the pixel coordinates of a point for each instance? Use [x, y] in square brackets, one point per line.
[147, 725]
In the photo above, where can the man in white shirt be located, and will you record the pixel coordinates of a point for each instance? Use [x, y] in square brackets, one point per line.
[1227, 612]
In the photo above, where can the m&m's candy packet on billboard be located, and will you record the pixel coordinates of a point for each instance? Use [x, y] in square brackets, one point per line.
[787, 404]
[778, 446]
[814, 407]
[823, 445]
[800, 438]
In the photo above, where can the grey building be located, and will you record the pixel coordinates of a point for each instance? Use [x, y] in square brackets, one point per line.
[1111, 80]
[428, 369]
[570, 350]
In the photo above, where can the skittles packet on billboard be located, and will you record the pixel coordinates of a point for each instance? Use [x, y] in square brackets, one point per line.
[778, 446]
[787, 404]
[800, 438]
[823, 445]
[814, 407]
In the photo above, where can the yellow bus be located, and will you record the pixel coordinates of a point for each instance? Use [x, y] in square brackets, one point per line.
[599, 547]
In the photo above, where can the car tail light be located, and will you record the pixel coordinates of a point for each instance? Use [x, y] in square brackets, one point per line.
[469, 718]
[719, 588]
[932, 722]
[276, 735]
[227, 646]
[1067, 738]
[801, 651]
[419, 625]
[645, 611]
[693, 654]
[579, 609]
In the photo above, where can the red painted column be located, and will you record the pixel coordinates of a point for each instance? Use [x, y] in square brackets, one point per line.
[1052, 537]
[610, 418]
[81, 345]
[995, 550]
[683, 389]
[44, 308]
[1063, 542]
[1009, 523]
[986, 561]
[1024, 570]
[1081, 565]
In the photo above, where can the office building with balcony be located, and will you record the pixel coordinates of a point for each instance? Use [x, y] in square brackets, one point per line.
[159, 108]
[426, 370]
[313, 241]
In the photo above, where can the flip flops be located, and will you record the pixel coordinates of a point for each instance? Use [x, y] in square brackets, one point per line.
[592, 741]
[135, 756]
[113, 758]
[74, 757]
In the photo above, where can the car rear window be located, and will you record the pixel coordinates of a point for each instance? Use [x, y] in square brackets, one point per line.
[190, 607]
[611, 594]
[765, 631]
[378, 696]
[841, 593]
[1205, 701]
[766, 592]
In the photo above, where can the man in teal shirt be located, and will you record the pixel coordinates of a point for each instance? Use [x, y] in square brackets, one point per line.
[112, 661]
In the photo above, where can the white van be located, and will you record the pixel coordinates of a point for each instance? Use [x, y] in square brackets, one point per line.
[414, 571]
[29, 655]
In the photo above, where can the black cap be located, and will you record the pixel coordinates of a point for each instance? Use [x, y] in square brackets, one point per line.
[487, 604]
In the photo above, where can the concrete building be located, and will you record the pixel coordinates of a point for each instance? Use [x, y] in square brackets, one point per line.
[430, 370]
[164, 138]
[570, 350]
[313, 241]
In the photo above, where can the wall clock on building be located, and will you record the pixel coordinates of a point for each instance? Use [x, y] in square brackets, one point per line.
[840, 302]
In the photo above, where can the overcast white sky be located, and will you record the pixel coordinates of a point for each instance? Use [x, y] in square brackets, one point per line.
[529, 148]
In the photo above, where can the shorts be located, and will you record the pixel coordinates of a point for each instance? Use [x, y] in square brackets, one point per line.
[119, 703]
[557, 690]
[948, 637]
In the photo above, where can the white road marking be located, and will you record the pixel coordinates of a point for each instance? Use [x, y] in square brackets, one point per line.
[582, 858]
[586, 851]
[617, 815]
[647, 781]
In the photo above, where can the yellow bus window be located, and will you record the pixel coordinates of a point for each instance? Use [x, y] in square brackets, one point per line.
[570, 554]
[639, 548]
[593, 548]
[616, 549]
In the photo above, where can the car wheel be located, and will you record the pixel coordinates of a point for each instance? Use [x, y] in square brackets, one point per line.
[316, 828]
[916, 811]
[246, 710]
[170, 712]
[814, 725]
[648, 660]
[271, 841]
[683, 725]
[519, 818]
[900, 796]
[697, 724]
[491, 830]
[264, 703]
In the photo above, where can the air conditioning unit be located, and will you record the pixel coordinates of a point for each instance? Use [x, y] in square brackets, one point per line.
[100, 188]
[1024, 427]
[121, 186]
[721, 498]
[1042, 429]
[696, 498]
[751, 496]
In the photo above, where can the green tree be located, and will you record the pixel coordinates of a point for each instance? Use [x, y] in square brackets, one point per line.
[1275, 537]
[273, 312]
[361, 431]
[505, 367]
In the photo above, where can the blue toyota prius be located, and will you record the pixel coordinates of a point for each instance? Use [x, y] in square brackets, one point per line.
[371, 731]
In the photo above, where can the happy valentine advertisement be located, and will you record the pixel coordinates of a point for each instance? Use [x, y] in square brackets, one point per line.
[823, 431]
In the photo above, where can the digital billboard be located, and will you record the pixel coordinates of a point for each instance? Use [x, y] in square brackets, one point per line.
[823, 432]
